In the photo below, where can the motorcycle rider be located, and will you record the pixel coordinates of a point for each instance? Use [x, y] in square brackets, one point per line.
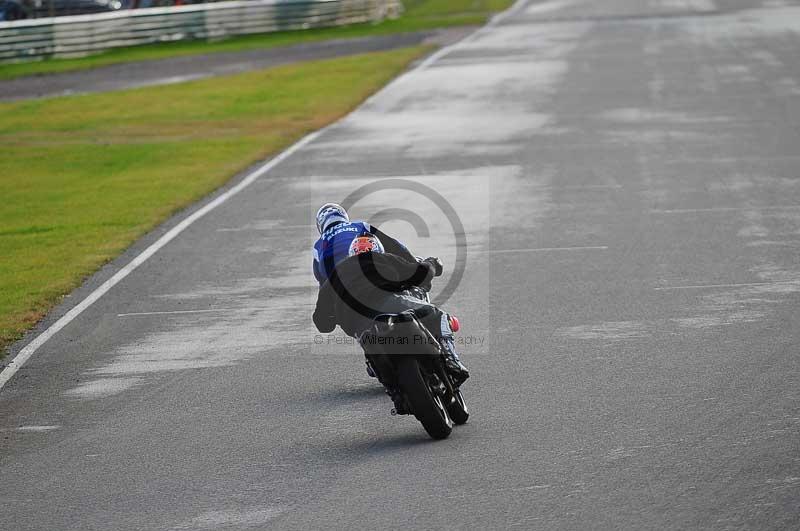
[337, 232]
[364, 272]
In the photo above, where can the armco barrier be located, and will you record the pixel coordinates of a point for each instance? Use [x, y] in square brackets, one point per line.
[81, 35]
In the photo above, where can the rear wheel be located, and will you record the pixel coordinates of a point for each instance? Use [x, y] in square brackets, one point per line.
[426, 406]
[457, 408]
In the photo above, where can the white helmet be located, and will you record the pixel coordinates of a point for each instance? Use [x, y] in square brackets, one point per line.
[330, 213]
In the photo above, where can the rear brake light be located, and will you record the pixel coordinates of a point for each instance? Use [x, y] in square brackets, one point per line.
[455, 326]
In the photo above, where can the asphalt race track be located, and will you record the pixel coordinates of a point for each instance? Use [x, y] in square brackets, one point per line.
[627, 174]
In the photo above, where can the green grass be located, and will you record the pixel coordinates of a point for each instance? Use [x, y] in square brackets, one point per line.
[419, 15]
[83, 177]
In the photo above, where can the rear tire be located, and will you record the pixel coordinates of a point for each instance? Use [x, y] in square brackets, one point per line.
[426, 406]
[457, 409]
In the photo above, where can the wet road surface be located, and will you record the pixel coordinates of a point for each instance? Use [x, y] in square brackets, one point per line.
[627, 175]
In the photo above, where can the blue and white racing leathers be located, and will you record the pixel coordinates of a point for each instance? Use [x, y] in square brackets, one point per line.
[333, 246]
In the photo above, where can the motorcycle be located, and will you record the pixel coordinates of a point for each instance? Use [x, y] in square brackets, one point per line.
[410, 362]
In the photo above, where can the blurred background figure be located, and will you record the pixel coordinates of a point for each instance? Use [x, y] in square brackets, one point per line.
[24, 9]
[14, 10]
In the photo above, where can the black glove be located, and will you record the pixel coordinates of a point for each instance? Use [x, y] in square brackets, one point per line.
[436, 264]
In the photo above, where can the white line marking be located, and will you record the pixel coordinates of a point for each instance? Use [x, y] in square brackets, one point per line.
[177, 312]
[723, 209]
[29, 349]
[266, 229]
[209, 310]
[579, 187]
[541, 249]
[37, 429]
[741, 285]
[744, 158]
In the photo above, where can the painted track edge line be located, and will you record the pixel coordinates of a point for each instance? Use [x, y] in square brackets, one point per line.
[28, 350]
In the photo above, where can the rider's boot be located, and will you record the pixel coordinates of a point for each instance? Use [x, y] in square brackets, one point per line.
[370, 370]
[452, 362]
[398, 401]
[360, 337]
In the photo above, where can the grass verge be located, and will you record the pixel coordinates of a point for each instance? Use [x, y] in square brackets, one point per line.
[85, 176]
[419, 15]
